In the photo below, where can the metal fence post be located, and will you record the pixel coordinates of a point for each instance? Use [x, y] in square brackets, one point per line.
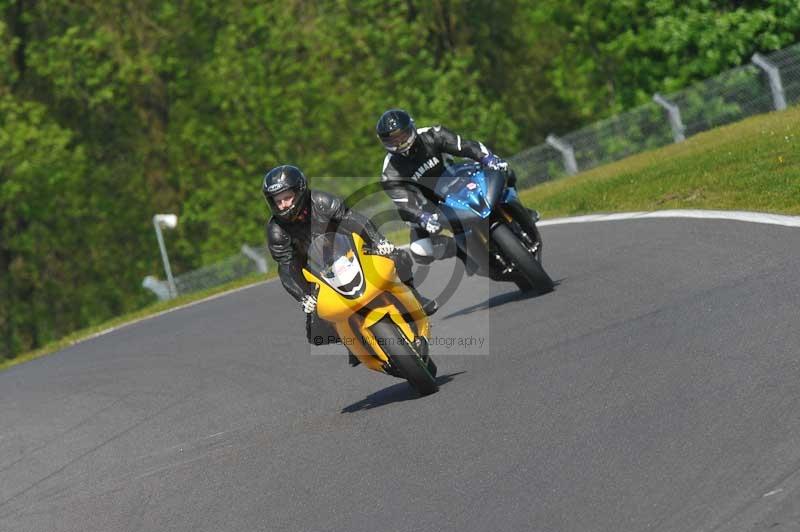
[255, 256]
[774, 76]
[674, 114]
[570, 164]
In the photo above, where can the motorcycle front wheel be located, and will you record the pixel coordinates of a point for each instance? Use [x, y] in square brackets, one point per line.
[403, 358]
[533, 275]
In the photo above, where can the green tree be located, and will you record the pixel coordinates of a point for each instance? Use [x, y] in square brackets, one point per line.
[618, 53]
[114, 111]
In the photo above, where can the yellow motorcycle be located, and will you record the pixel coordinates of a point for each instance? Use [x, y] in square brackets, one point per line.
[375, 315]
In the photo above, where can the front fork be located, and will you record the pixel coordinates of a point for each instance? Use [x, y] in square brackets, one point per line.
[522, 221]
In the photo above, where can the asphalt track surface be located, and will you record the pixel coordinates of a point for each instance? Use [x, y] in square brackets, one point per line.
[655, 390]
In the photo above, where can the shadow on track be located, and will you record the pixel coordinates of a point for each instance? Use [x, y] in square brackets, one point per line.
[500, 299]
[396, 393]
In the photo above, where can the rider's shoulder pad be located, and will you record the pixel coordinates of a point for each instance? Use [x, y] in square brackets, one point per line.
[326, 204]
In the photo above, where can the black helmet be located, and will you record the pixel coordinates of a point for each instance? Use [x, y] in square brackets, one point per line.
[280, 179]
[396, 131]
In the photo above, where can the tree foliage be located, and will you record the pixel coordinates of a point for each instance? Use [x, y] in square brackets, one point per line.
[619, 53]
[114, 111]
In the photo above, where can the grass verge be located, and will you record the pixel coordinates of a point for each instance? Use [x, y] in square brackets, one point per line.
[752, 165]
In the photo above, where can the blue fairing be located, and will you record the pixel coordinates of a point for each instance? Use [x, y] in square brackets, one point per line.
[470, 195]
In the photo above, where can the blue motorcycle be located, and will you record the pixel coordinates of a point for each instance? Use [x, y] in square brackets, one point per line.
[496, 236]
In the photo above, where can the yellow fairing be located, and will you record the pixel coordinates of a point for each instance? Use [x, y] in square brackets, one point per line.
[384, 295]
[378, 273]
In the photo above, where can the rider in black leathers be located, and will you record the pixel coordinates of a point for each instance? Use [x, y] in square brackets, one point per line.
[300, 214]
[416, 158]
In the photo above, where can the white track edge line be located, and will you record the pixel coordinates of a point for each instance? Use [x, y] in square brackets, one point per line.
[741, 216]
[173, 309]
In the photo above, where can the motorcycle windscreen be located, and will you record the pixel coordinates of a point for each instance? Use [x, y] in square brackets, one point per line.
[464, 188]
[455, 178]
[495, 183]
[332, 257]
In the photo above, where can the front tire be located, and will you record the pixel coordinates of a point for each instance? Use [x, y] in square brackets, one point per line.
[403, 358]
[533, 275]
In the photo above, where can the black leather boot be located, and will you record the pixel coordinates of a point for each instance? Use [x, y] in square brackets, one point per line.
[429, 306]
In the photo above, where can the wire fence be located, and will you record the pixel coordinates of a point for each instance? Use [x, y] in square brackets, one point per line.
[728, 97]
[787, 61]
[221, 272]
[251, 260]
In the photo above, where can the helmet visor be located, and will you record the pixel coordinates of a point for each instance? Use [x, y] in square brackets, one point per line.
[284, 203]
[399, 140]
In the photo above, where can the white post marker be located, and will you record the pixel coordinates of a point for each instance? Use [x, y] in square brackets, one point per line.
[159, 288]
[169, 221]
